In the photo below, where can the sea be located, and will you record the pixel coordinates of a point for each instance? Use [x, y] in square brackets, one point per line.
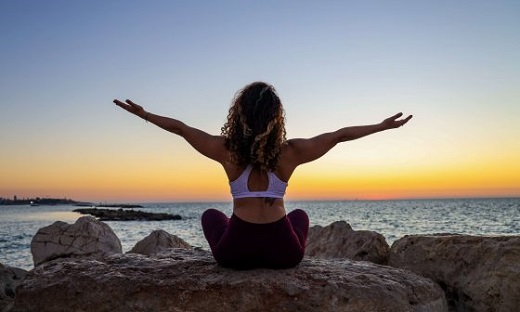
[392, 218]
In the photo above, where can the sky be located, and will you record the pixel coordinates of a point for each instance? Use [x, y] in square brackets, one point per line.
[454, 65]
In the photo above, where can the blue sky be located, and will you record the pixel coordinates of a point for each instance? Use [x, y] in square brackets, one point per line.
[453, 64]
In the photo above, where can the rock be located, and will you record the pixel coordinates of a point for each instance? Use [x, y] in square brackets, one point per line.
[158, 241]
[87, 237]
[477, 273]
[190, 280]
[126, 215]
[339, 240]
[10, 278]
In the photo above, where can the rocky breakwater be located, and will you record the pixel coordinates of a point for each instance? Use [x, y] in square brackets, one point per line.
[187, 279]
[126, 215]
[477, 273]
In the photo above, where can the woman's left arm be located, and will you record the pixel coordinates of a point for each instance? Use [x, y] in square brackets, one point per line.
[356, 132]
[211, 146]
[306, 150]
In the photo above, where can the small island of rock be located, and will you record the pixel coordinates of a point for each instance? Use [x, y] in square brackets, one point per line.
[126, 215]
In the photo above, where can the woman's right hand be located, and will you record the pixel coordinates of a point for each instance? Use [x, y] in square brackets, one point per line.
[131, 107]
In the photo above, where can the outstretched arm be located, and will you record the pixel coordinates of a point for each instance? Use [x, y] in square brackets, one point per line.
[209, 145]
[306, 150]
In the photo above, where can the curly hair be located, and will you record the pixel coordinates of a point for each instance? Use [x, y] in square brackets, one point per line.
[255, 127]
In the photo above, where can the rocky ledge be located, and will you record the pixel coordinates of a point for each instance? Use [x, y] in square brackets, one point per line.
[126, 215]
[477, 273]
[10, 278]
[80, 267]
[190, 280]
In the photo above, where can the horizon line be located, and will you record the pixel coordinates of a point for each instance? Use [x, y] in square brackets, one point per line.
[312, 200]
[180, 201]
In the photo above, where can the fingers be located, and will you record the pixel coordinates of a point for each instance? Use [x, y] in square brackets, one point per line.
[395, 122]
[119, 103]
[128, 104]
[402, 122]
[139, 107]
[394, 117]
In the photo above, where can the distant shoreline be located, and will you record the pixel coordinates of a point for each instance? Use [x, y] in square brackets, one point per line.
[38, 201]
[60, 201]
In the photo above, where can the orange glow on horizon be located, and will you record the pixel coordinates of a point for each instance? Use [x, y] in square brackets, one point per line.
[197, 179]
[209, 184]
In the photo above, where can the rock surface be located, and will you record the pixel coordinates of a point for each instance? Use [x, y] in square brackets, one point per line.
[87, 237]
[477, 273]
[158, 241]
[339, 240]
[190, 280]
[126, 215]
[10, 278]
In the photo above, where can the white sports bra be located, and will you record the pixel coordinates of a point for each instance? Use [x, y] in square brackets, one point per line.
[275, 189]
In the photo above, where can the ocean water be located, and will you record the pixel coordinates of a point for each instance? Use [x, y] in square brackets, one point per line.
[392, 218]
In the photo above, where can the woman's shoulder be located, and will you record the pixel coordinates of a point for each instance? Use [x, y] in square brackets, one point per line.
[286, 161]
[233, 171]
[288, 149]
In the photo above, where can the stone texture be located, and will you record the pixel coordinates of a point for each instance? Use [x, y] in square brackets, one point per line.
[87, 237]
[10, 278]
[339, 240]
[158, 241]
[477, 273]
[190, 280]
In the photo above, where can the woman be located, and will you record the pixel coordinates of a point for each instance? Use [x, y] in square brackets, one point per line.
[258, 161]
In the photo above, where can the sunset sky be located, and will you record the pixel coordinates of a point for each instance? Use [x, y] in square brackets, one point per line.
[454, 65]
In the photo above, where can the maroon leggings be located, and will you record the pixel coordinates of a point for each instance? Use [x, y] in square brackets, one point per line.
[238, 244]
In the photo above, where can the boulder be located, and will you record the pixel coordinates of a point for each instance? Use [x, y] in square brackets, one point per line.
[339, 240]
[477, 273]
[10, 278]
[190, 280]
[158, 241]
[87, 237]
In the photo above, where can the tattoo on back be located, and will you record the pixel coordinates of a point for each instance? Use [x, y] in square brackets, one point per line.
[269, 200]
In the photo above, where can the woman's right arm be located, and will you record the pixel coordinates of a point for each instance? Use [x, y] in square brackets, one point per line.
[211, 146]
[305, 150]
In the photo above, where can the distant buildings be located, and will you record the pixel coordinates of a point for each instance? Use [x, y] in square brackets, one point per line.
[36, 201]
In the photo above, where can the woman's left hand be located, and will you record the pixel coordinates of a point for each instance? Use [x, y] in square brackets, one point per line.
[393, 122]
